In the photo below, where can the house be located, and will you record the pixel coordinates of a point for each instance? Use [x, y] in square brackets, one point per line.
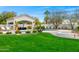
[20, 23]
[64, 25]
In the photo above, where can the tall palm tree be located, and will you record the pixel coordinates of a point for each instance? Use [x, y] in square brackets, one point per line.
[46, 18]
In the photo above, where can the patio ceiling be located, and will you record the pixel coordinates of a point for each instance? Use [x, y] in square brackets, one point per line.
[23, 18]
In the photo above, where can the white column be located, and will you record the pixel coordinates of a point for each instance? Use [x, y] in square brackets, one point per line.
[13, 31]
[32, 27]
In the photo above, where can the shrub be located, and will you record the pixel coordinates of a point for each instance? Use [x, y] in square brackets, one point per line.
[78, 28]
[1, 32]
[8, 33]
[29, 27]
[28, 31]
[40, 28]
[34, 31]
[18, 32]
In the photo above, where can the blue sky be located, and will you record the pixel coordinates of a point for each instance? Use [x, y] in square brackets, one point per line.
[35, 11]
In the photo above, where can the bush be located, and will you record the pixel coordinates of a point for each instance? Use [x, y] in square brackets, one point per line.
[40, 28]
[1, 32]
[8, 32]
[77, 28]
[34, 31]
[18, 32]
[28, 32]
[29, 27]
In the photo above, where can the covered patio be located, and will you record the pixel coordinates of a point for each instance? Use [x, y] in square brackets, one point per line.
[21, 23]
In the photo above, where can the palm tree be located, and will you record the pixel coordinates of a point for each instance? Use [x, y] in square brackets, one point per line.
[46, 18]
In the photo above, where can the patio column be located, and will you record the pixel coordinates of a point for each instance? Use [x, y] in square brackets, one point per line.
[14, 24]
[32, 27]
[16, 27]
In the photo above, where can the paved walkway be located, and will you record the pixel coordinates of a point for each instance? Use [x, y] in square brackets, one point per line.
[64, 33]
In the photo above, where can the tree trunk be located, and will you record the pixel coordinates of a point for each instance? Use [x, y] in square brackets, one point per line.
[56, 26]
[71, 25]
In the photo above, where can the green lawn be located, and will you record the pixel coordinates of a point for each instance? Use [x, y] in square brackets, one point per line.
[41, 42]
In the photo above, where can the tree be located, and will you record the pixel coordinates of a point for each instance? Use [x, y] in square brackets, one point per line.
[38, 25]
[72, 21]
[2, 21]
[76, 14]
[6, 15]
[73, 18]
[37, 22]
[57, 18]
[46, 18]
[9, 14]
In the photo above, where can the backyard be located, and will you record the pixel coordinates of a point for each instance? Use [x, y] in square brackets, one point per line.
[39, 42]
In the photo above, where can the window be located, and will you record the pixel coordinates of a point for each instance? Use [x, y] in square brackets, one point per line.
[10, 23]
[22, 28]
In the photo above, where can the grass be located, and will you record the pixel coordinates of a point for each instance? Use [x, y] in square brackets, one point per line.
[40, 42]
